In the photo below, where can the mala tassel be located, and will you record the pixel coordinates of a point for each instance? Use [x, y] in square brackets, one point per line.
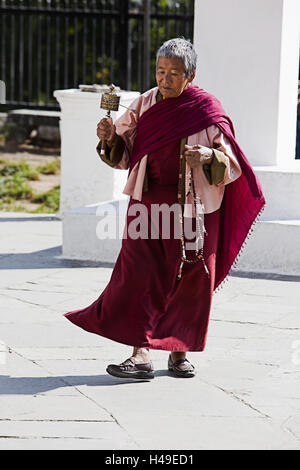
[180, 270]
[205, 267]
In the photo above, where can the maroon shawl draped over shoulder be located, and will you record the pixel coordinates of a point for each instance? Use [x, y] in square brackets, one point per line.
[176, 118]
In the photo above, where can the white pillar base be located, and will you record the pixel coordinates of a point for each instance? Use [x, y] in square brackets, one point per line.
[83, 227]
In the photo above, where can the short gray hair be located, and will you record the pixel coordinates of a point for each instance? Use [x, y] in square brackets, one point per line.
[179, 48]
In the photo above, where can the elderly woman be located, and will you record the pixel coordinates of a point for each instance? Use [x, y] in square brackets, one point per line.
[183, 159]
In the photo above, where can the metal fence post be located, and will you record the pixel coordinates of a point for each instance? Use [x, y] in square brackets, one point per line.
[125, 52]
[147, 44]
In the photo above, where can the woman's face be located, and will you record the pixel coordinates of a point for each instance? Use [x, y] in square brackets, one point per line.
[170, 77]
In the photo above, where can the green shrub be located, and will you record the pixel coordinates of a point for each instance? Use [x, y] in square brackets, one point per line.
[15, 186]
[49, 201]
[50, 168]
[22, 169]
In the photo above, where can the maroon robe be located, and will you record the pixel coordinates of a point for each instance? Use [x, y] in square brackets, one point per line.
[144, 304]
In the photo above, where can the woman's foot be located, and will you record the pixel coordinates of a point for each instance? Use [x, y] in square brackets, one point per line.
[180, 365]
[129, 369]
[137, 366]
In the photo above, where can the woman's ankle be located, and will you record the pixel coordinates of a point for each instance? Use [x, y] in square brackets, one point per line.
[141, 354]
[175, 355]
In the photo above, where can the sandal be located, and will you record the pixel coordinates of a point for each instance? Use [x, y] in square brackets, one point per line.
[129, 369]
[181, 367]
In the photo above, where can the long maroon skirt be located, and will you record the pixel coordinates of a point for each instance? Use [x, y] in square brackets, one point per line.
[144, 304]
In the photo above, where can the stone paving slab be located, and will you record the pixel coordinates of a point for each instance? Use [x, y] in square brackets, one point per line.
[62, 443]
[54, 389]
[109, 435]
[44, 408]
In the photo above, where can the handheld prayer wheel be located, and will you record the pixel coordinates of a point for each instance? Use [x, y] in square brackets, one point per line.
[109, 101]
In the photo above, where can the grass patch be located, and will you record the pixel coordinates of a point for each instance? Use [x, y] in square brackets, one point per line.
[49, 201]
[20, 169]
[50, 168]
[15, 186]
[14, 208]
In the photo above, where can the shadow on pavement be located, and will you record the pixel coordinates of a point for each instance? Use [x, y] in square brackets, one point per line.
[35, 385]
[52, 258]
[48, 258]
[266, 276]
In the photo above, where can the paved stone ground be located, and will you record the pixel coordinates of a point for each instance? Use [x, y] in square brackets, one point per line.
[56, 394]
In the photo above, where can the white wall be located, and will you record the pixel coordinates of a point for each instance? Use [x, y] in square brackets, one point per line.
[248, 56]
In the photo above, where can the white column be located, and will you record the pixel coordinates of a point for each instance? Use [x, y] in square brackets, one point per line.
[85, 179]
[248, 56]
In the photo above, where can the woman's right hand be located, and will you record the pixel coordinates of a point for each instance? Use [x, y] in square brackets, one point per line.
[106, 129]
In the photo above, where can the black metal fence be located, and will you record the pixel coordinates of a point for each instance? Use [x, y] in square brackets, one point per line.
[54, 44]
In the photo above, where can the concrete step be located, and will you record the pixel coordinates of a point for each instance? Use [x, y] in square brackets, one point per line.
[85, 231]
[281, 190]
[273, 246]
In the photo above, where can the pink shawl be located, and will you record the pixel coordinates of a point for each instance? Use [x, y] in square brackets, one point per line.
[192, 111]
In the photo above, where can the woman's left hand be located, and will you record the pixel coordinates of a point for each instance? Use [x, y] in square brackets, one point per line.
[197, 155]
